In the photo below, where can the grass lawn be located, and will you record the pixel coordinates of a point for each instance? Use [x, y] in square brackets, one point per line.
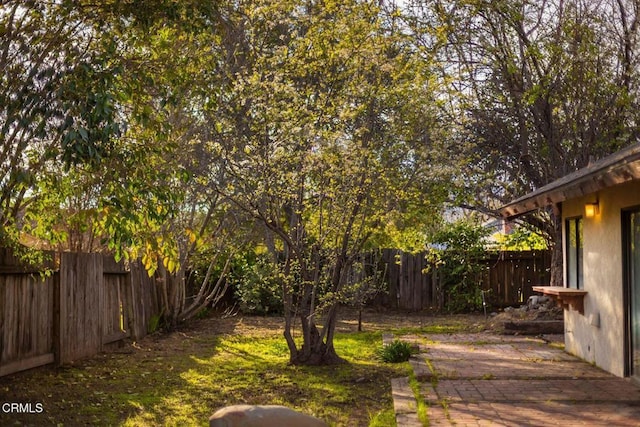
[179, 379]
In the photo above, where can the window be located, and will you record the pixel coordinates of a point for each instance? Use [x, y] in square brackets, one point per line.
[574, 252]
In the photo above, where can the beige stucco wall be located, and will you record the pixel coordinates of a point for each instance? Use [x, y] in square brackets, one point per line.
[601, 344]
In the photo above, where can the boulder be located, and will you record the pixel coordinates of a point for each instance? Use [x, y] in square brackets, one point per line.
[262, 416]
[537, 301]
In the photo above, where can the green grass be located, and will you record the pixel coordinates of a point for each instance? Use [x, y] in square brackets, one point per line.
[452, 325]
[386, 418]
[182, 378]
[181, 381]
[422, 409]
[255, 370]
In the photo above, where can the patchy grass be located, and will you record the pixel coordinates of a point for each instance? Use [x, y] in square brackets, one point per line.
[455, 324]
[422, 409]
[179, 379]
[558, 345]
[385, 418]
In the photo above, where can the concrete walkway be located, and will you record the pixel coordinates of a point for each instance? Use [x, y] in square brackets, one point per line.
[490, 380]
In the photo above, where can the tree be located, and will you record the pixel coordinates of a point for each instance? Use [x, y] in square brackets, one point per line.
[455, 250]
[537, 90]
[320, 126]
[97, 133]
[56, 100]
[163, 209]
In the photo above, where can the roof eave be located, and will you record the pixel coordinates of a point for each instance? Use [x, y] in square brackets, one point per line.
[600, 175]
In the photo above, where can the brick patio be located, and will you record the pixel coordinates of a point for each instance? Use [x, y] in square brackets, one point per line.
[491, 380]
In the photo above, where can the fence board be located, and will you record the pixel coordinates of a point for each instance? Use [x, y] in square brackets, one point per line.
[115, 315]
[26, 320]
[26, 363]
[145, 300]
[81, 287]
[507, 278]
[90, 301]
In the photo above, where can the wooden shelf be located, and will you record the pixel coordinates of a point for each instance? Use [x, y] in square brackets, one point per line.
[569, 299]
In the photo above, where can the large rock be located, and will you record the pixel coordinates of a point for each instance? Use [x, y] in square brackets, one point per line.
[262, 416]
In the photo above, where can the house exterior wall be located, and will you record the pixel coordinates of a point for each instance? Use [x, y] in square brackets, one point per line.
[598, 335]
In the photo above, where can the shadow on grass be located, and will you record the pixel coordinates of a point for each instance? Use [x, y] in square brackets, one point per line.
[181, 380]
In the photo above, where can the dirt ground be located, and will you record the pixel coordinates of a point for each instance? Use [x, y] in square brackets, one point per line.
[58, 387]
[549, 311]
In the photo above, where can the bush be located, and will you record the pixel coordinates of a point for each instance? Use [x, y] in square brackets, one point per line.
[396, 352]
[455, 251]
[257, 288]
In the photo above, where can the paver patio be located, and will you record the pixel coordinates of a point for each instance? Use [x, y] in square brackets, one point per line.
[492, 380]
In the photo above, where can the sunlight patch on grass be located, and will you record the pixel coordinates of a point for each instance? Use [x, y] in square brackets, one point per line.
[185, 389]
[359, 347]
[385, 418]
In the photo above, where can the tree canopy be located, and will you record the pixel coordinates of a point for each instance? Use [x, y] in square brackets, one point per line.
[536, 90]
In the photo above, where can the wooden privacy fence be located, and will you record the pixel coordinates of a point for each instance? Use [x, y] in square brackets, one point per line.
[88, 302]
[506, 278]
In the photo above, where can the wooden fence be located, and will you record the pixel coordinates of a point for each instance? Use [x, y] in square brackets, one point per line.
[90, 301]
[506, 278]
[86, 303]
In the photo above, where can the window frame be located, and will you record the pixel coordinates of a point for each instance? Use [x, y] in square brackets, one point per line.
[574, 252]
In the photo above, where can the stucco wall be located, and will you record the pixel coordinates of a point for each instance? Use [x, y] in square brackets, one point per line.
[601, 344]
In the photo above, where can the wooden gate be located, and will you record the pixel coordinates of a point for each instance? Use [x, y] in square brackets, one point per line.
[116, 302]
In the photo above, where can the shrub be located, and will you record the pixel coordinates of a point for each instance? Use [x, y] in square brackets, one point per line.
[257, 288]
[395, 352]
[455, 251]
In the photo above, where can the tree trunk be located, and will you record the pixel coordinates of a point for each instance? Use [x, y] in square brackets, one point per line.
[557, 272]
[315, 351]
[317, 346]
